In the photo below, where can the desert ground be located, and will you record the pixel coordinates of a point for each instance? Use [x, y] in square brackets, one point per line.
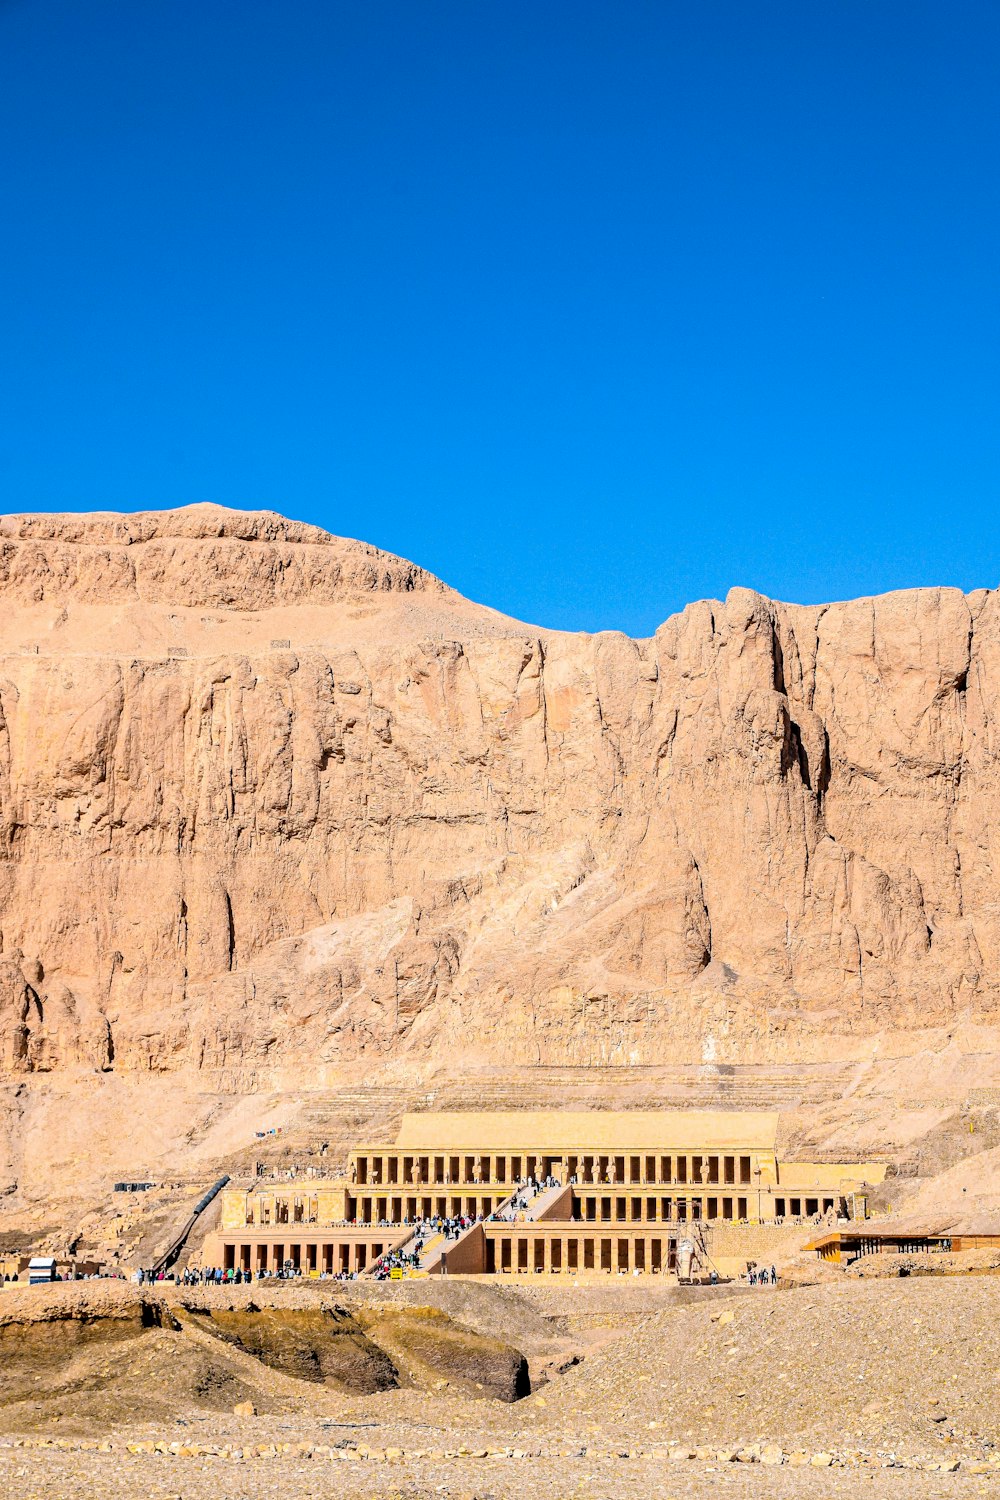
[848, 1386]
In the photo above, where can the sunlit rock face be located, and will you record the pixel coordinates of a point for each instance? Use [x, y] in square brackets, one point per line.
[272, 803]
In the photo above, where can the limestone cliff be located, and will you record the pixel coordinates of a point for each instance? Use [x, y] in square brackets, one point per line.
[270, 800]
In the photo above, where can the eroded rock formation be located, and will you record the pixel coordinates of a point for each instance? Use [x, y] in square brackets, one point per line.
[272, 801]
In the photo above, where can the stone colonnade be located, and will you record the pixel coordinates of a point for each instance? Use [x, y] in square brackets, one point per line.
[374, 1208]
[308, 1254]
[442, 1169]
[516, 1250]
[275, 1206]
[588, 1207]
[675, 1208]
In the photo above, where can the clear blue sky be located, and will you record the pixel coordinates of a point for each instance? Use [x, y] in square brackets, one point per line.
[593, 309]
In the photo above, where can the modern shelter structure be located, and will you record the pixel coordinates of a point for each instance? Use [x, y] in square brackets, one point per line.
[851, 1242]
[631, 1186]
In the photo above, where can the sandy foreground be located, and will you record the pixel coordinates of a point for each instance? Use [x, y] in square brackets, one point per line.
[886, 1388]
[51, 1476]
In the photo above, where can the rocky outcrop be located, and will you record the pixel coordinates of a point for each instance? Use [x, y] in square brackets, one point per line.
[271, 800]
[203, 555]
[322, 1345]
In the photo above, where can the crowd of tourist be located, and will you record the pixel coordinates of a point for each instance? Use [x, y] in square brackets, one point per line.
[216, 1276]
[525, 1190]
[12, 1278]
[453, 1226]
[396, 1260]
[407, 1257]
[760, 1275]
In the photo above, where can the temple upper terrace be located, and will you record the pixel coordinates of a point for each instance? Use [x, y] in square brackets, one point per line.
[483, 1154]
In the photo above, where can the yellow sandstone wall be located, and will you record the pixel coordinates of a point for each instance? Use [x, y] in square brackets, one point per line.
[802, 1175]
[731, 1246]
[332, 1203]
[234, 1208]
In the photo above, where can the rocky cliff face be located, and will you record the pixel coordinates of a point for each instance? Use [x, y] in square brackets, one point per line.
[272, 802]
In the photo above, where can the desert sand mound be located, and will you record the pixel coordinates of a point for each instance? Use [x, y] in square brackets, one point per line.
[904, 1365]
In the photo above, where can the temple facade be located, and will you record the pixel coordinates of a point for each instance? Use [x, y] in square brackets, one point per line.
[647, 1175]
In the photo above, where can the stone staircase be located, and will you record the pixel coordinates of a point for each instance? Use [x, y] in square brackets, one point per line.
[429, 1260]
[430, 1256]
[543, 1201]
[430, 1252]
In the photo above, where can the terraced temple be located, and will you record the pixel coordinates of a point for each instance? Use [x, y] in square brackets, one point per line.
[606, 1191]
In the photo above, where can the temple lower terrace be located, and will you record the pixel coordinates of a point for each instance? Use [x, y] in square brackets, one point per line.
[640, 1192]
